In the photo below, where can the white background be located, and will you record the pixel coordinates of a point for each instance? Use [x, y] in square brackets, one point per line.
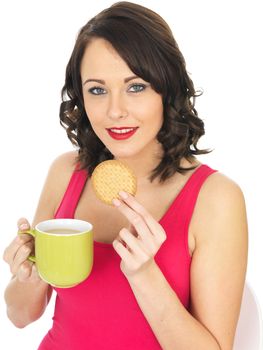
[221, 43]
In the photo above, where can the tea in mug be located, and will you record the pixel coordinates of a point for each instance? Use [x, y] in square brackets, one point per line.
[62, 231]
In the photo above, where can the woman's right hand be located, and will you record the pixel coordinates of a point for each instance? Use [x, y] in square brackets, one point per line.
[17, 252]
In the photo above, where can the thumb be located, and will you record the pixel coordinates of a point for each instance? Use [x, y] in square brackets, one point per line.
[23, 224]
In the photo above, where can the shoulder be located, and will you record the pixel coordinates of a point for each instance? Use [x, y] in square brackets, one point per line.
[220, 203]
[219, 190]
[55, 185]
[66, 162]
[61, 170]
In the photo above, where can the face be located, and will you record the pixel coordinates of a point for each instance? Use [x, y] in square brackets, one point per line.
[123, 109]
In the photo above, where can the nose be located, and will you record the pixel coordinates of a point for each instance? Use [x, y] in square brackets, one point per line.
[117, 107]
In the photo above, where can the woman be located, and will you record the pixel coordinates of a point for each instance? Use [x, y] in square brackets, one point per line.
[169, 263]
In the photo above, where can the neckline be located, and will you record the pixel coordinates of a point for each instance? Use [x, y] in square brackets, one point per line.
[169, 209]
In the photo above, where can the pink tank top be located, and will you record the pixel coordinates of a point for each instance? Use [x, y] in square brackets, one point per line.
[102, 312]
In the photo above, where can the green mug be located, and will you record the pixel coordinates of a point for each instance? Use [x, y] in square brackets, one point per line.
[63, 251]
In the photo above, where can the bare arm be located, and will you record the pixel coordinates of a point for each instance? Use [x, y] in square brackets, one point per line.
[217, 271]
[27, 295]
[26, 301]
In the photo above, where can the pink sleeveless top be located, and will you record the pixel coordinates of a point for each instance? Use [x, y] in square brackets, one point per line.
[102, 312]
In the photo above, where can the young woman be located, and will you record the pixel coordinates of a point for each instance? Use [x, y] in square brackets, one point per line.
[169, 262]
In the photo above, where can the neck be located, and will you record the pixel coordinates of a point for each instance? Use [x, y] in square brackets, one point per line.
[143, 164]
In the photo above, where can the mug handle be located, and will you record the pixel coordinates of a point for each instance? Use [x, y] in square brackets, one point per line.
[33, 234]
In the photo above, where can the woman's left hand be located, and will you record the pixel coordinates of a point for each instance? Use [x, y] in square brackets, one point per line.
[137, 245]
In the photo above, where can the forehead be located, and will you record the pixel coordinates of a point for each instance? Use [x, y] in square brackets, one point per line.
[100, 59]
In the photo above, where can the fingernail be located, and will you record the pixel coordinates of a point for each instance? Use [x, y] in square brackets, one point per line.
[116, 202]
[123, 194]
[23, 227]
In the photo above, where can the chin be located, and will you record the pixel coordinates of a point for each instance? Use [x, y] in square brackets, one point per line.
[123, 153]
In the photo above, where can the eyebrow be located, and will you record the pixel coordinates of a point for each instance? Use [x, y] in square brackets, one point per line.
[103, 81]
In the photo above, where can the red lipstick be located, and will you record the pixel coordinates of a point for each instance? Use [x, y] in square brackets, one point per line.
[122, 133]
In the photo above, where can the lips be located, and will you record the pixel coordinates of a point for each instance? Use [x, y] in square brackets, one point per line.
[122, 133]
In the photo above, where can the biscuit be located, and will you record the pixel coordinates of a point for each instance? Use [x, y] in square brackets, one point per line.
[110, 177]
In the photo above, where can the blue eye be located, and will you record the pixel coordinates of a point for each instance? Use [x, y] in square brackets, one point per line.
[137, 88]
[97, 91]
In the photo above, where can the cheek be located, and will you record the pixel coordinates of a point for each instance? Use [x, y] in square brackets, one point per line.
[93, 112]
[151, 109]
[157, 114]
[159, 107]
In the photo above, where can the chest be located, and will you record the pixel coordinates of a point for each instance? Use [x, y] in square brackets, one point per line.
[107, 221]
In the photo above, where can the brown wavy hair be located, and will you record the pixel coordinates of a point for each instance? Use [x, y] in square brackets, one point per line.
[145, 42]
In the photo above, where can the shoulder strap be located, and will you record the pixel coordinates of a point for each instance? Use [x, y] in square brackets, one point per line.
[189, 195]
[73, 192]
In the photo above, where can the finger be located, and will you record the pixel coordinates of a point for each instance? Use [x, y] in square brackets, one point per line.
[34, 273]
[132, 229]
[11, 251]
[155, 228]
[23, 224]
[24, 271]
[121, 250]
[132, 242]
[137, 222]
[21, 256]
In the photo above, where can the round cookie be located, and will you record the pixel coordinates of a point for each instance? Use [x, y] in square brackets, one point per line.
[110, 177]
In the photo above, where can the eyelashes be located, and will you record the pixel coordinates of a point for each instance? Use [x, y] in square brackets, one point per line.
[134, 88]
[137, 87]
[96, 91]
